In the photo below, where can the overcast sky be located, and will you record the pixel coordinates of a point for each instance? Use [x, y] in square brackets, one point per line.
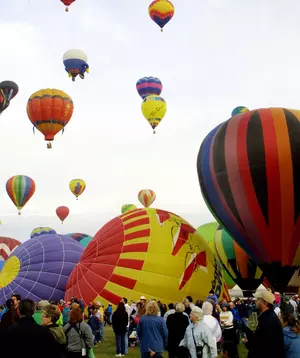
[213, 56]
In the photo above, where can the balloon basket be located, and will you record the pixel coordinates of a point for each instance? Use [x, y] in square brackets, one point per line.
[67, 9]
[73, 78]
[161, 30]
[49, 145]
[19, 213]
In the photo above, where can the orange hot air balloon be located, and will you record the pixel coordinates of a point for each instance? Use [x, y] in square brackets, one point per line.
[146, 197]
[50, 110]
[62, 212]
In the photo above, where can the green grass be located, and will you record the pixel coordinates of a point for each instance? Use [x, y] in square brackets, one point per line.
[107, 349]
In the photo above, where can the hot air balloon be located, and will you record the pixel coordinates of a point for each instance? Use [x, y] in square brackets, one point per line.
[50, 110]
[20, 189]
[154, 109]
[147, 252]
[147, 86]
[77, 187]
[83, 239]
[40, 231]
[8, 90]
[238, 265]
[239, 110]
[208, 231]
[67, 3]
[146, 197]
[75, 62]
[249, 172]
[62, 212]
[7, 246]
[39, 268]
[161, 12]
[128, 207]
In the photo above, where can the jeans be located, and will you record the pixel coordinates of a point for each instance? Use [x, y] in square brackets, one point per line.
[126, 341]
[101, 333]
[120, 343]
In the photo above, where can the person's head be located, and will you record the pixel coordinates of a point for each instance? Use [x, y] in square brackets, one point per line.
[179, 307]
[26, 308]
[143, 300]
[121, 307]
[97, 304]
[171, 306]
[9, 304]
[16, 298]
[152, 308]
[1, 308]
[286, 298]
[264, 300]
[42, 304]
[190, 299]
[50, 315]
[199, 303]
[211, 293]
[124, 300]
[288, 320]
[231, 305]
[228, 350]
[196, 314]
[75, 315]
[207, 309]
[224, 307]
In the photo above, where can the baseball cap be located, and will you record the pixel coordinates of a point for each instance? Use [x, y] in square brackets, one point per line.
[143, 298]
[266, 296]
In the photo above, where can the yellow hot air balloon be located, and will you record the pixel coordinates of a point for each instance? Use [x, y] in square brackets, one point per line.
[146, 197]
[77, 187]
[154, 109]
[128, 207]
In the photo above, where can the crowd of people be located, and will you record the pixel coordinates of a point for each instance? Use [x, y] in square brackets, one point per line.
[185, 329]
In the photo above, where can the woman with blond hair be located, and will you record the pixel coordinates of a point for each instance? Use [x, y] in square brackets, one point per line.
[152, 332]
[176, 324]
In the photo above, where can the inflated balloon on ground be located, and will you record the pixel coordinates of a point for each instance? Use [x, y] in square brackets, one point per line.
[40, 231]
[7, 246]
[127, 207]
[83, 239]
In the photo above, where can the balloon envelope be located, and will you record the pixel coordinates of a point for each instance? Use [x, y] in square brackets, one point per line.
[161, 12]
[77, 187]
[83, 239]
[76, 63]
[7, 246]
[128, 207]
[40, 231]
[8, 90]
[249, 170]
[20, 188]
[62, 212]
[154, 109]
[147, 86]
[239, 110]
[39, 268]
[146, 197]
[147, 252]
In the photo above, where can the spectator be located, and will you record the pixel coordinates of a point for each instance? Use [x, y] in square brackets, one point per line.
[120, 322]
[16, 298]
[188, 302]
[38, 313]
[94, 323]
[129, 312]
[152, 331]
[100, 315]
[28, 339]
[291, 333]
[171, 310]
[211, 321]
[10, 317]
[212, 296]
[286, 307]
[66, 313]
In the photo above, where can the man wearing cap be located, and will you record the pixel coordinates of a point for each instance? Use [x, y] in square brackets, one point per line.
[267, 340]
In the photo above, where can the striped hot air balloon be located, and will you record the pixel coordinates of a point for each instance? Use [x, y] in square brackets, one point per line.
[146, 197]
[84, 239]
[239, 110]
[20, 188]
[127, 207]
[161, 12]
[147, 86]
[7, 246]
[146, 252]
[249, 173]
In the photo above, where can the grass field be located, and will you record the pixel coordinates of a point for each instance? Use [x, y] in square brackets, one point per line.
[108, 347]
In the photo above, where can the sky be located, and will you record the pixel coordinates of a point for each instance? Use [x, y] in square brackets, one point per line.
[213, 56]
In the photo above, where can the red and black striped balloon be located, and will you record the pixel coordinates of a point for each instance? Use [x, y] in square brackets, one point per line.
[249, 173]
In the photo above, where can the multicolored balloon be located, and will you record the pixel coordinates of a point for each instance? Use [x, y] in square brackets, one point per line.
[77, 187]
[238, 265]
[161, 12]
[39, 268]
[146, 197]
[8, 90]
[239, 110]
[76, 63]
[67, 3]
[128, 207]
[147, 86]
[154, 109]
[20, 188]
[7, 246]
[137, 253]
[249, 173]
[50, 110]
[83, 239]
[40, 231]
[62, 212]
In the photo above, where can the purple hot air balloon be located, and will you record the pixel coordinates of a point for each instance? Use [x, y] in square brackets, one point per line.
[39, 268]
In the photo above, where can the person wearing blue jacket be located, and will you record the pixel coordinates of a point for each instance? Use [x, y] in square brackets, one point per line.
[152, 332]
[212, 296]
[291, 334]
[94, 323]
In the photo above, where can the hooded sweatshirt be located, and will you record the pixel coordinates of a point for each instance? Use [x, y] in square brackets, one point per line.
[291, 343]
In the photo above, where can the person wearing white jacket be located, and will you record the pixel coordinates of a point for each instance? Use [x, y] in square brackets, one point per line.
[211, 321]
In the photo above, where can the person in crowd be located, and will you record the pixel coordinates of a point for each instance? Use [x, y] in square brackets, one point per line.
[94, 323]
[79, 334]
[66, 313]
[267, 340]
[28, 339]
[107, 314]
[236, 320]
[50, 316]
[294, 304]
[226, 319]
[177, 324]
[216, 309]
[228, 350]
[189, 305]
[286, 306]
[100, 315]
[212, 296]
[198, 337]
[120, 322]
[10, 317]
[211, 321]
[1, 310]
[129, 313]
[16, 298]
[163, 310]
[199, 303]
[39, 309]
[152, 331]
[277, 299]
[143, 302]
[171, 310]
[291, 334]
[243, 312]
